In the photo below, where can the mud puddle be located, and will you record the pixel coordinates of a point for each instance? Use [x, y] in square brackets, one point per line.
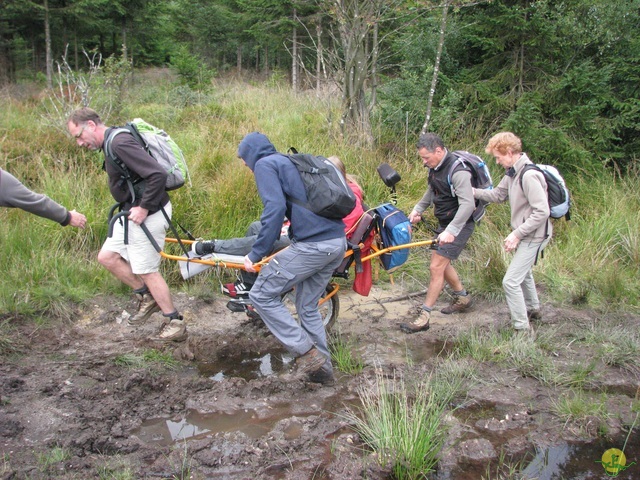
[250, 368]
[584, 461]
[196, 425]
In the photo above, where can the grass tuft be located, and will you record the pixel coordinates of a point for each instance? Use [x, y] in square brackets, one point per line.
[8, 343]
[581, 410]
[403, 424]
[342, 354]
[146, 360]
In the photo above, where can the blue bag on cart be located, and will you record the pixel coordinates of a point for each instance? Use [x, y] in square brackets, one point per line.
[395, 230]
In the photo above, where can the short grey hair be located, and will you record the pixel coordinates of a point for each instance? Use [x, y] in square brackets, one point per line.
[83, 115]
[430, 141]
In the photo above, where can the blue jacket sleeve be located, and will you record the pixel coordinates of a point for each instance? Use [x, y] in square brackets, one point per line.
[275, 205]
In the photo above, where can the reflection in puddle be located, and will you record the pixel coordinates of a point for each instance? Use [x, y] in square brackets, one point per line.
[199, 425]
[580, 461]
[280, 361]
[558, 462]
[247, 368]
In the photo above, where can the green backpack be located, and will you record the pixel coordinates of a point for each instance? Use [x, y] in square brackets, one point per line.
[156, 143]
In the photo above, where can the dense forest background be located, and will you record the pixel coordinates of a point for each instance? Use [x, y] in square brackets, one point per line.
[564, 75]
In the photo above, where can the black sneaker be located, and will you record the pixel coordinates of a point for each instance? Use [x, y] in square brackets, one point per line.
[203, 247]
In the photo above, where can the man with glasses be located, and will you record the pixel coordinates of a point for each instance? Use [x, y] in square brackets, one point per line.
[135, 263]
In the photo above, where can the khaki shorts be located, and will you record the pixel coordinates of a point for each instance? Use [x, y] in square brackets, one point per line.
[140, 253]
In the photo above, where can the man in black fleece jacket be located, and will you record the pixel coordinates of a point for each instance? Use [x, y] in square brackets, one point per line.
[136, 263]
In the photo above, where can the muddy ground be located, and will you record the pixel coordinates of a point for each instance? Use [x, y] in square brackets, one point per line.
[229, 408]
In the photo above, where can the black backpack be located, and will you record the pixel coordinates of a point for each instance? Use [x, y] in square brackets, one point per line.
[480, 177]
[328, 194]
[557, 191]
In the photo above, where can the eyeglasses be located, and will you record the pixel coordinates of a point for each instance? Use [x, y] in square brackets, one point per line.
[79, 134]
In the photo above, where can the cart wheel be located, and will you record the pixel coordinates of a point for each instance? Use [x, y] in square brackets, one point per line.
[328, 309]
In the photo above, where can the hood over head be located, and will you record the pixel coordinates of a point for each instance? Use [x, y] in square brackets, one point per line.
[253, 147]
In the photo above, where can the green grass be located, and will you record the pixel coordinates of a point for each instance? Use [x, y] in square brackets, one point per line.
[482, 344]
[122, 472]
[47, 460]
[342, 354]
[402, 421]
[519, 352]
[505, 468]
[581, 410]
[615, 343]
[147, 359]
[8, 343]
[530, 361]
[592, 260]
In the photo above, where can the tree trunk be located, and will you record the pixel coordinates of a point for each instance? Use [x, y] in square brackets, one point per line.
[266, 61]
[355, 24]
[5, 62]
[76, 55]
[47, 39]
[318, 55]
[124, 40]
[294, 60]
[375, 50]
[436, 66]
[239, 58]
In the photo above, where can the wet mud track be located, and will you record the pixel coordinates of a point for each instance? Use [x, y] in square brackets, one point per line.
[91, 398]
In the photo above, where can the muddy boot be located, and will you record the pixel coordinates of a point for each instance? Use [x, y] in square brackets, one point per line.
[172, 330]
[147, 306]
[322, 377]
[420, 324]
[459, 304]
[534, 314]
[310, 362]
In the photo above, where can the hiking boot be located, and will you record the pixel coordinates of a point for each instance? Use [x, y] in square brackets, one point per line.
[322, 377]
[420, 324]
[237, 289]
[172, 331]
[203, 247]
[147, 306]
[534, 314]
[310, 362]
[459, 304]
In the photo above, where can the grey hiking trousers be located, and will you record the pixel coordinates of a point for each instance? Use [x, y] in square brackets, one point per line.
[519, 286]
[307, 266]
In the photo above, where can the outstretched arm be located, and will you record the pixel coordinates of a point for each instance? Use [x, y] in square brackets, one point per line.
[14, 194]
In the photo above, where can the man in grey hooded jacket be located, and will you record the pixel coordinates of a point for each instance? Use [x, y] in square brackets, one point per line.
[318, 245]
[14, 194]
